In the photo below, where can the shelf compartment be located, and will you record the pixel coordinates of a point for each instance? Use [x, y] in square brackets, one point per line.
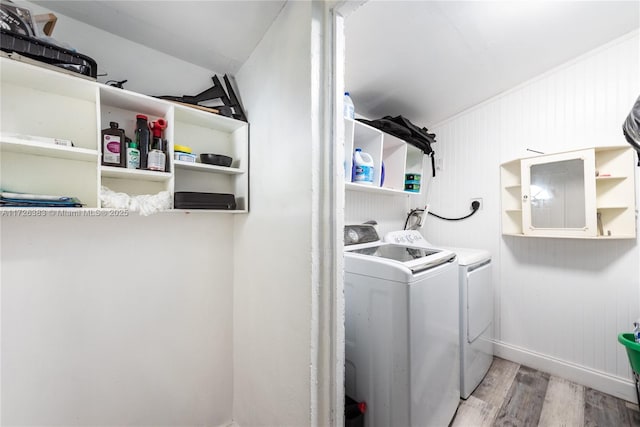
[369, 140]
[22, 172]
[613, 191]
[34, 77]
[394, 157]
[203, 167]
[36, 148]
[200, 118]
[137, 174]
[203, 180]
[28, 111]
[512, 221]
[132, 101]
[203, 139]
[510, 174]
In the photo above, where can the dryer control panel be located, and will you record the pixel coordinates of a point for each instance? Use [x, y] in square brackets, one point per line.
[406, 237]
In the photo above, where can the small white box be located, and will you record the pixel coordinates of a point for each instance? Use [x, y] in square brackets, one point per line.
[185, 157]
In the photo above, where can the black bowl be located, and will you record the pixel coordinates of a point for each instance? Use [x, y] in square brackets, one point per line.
[215, 159]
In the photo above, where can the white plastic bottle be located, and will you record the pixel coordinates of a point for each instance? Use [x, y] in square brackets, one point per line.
[363, 167]
[349, 108]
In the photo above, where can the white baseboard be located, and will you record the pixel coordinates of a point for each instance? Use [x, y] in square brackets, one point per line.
[601, 381]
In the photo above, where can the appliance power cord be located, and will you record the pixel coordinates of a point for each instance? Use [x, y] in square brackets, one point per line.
[475, 206]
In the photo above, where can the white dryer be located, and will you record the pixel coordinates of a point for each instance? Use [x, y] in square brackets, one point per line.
[476, 308]
[402, 344]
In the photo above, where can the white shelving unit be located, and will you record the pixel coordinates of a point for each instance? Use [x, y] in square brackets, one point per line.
[398, 158]
[45, 103]
[208, 133]
[609, 194]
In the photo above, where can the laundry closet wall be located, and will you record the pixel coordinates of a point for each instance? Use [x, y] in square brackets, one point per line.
[560, 303]
[273, 250]
[130, 321]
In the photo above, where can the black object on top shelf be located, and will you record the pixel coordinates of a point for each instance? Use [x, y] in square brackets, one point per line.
[231, 105]
[402, 128]
[48, 53]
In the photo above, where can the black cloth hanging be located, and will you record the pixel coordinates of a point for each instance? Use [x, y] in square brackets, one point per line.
[402, 128]
[631, 128]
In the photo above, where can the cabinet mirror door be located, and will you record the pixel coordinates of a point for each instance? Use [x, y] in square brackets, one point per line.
[557, 195]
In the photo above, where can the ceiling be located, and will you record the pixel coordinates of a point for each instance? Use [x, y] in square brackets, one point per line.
[217, 35]
[428, 60]
[425, 60]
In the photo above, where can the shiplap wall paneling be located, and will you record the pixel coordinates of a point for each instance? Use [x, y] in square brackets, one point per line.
[560, 303]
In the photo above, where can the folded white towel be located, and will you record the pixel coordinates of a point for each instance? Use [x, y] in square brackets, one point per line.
[145, 204]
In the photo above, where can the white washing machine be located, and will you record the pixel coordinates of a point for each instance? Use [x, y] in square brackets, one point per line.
[402, 344]
[476, 308]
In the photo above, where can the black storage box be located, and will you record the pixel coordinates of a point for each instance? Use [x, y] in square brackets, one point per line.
[48, 53]
[195, 200]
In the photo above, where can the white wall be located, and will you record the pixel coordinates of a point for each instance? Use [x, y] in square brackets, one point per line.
[273, 274]
[388, 210]
[560, 303]
[147, 70]
[118, 321]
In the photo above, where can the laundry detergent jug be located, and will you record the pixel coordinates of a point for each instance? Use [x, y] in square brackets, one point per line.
[363, 164]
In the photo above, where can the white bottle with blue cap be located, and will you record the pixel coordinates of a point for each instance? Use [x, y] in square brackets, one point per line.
[363, 167]
[349, 108]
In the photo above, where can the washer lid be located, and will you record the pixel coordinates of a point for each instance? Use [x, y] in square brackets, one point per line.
[414, 258]
[396, 252]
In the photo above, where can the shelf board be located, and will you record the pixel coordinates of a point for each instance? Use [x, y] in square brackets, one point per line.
[200, 211]
[36, 148]
[203, 167]
[599, 208]
[375, 189]
[513, 211]
[143, 175]
[612, 237]
[610, 178]
[513, 187]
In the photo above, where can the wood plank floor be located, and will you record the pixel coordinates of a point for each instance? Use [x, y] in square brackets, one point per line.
[517, 396]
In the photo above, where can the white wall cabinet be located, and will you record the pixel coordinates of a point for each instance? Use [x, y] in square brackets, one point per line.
[41, 102]
[397, 156]
[581, 194]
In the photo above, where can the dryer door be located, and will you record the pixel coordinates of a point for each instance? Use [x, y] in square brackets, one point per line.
[479, 291]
